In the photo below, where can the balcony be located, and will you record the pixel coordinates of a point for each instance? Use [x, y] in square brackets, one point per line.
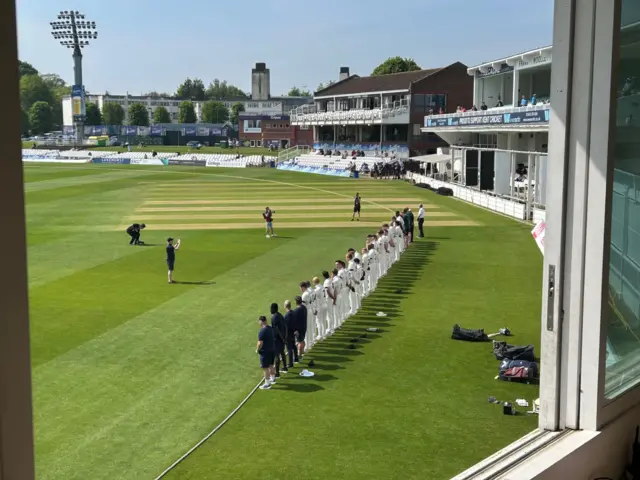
[391, 113]
[531, 117]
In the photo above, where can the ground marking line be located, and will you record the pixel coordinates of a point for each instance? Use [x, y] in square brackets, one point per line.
[210, 434]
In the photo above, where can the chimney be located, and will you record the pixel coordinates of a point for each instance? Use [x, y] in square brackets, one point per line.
[344, 73]
[260, 82]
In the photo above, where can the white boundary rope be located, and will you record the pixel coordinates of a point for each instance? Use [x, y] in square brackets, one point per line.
[210, 434]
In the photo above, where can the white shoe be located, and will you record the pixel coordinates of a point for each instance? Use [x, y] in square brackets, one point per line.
[267, 236]
[265, 386]
[272, 380]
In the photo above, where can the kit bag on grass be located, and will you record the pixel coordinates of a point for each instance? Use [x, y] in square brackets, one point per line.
[502, 351]
[468, 335]
[518, 371]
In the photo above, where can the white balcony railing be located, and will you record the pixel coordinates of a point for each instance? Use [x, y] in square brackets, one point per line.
[310, 113]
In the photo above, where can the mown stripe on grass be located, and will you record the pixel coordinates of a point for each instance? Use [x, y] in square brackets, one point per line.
[281, 215]
[276, 207]
[73, 181]
[297, 225]
[240, 201]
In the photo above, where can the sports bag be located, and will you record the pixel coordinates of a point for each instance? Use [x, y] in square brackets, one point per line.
[521, 371]
[468, 335]
[502, 351]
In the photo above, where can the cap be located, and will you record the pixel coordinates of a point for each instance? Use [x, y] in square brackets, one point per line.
[170, 239]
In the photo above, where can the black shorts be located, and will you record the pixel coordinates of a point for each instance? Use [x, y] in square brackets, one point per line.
[356, 209]
[171, 264]
[266, 359]
[301, 335]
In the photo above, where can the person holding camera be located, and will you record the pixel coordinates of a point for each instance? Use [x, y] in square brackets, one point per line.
[134, 232]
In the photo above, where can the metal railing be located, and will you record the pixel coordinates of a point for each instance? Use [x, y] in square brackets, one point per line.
[310, 113]
[490, 111]
[293, 152]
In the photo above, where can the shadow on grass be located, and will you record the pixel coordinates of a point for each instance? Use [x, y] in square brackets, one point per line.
[194, 283]
[299, 387]
[349, 342]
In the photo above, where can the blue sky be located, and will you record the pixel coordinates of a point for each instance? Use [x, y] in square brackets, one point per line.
[148, 45]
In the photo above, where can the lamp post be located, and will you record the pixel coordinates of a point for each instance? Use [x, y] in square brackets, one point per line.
[74, 32]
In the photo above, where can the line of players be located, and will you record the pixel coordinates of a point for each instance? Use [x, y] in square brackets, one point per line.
[330, 301]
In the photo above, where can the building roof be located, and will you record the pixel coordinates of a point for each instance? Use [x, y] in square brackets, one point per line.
[378, 83]
[510, 60]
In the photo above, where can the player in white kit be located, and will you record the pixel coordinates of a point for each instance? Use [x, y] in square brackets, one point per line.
[330, 298]
[336, 282]
[344, 291]
[397, 238]
[321, 308]
[366, 280]
[306, 301]
[360, 275]
[311, 316]
[354, 281]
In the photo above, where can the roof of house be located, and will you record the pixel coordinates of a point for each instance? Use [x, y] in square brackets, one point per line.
[378, 83]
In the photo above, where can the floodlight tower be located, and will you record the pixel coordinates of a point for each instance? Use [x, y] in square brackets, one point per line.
[74, 32]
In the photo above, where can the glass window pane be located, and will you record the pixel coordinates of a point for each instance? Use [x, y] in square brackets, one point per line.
[623, 306]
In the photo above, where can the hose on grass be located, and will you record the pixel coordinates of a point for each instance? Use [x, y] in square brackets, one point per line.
[210, 434]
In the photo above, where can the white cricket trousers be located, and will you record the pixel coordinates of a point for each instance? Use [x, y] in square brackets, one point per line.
[310, 338]
[321, 321]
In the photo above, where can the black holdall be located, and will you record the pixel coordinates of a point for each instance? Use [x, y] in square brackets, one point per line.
[469, 335]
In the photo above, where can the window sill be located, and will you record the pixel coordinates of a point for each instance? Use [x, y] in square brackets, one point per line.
[524, 456]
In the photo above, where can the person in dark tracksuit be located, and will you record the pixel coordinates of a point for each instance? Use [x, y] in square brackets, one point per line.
[300, 325]
[289, 321]
[280, 337]
[265, 348]
[134, 232]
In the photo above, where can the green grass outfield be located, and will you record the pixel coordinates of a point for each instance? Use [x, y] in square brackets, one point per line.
[181, 149]
[130, 372]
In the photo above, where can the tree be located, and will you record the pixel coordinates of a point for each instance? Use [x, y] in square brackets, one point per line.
[53, 81]
[296, 92]
[59, 89]
[322, 85]
[94, 115]
[40, 117]
[214, 112]
[154, 94]
[236, 109]
[33, 89]
[24, 122]
[161, 115]
[221, 90]
[138, 115]
[112, 113]
[25, 68]
[187, 113]
[191, 89]
[396, 65]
